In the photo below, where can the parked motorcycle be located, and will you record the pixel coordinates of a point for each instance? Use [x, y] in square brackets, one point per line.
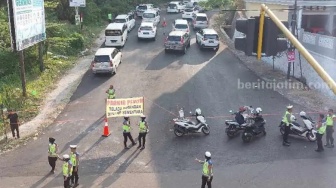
[184, 125]
[233, 127]
[307, 131]
[256, 127]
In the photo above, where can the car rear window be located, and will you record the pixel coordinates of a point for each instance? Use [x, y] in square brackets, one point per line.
[172, 6]
[102, 58]
[174, 38]
[142, 7]
[148, 15]
[213, 36]
[181, 26]
[188, 10]
[146, 28]
[120, 20]
[112, 33]
[201, 18]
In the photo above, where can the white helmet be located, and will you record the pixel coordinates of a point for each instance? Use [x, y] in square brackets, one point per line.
[208, 154]
[258, 110]
[293, 118]
[198, 111]
[302, 113]
[66, 156]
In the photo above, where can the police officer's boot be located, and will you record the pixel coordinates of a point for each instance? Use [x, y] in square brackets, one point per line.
[285, 144]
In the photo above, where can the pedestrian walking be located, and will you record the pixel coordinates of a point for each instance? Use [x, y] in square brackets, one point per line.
[127, 132]
[143, 129]
[66, 170]
[330, 128]
[52, 154]
[111, 93]
[321, 128]
[14, 123]
[207, 173]
[74, 158]
[287, 120]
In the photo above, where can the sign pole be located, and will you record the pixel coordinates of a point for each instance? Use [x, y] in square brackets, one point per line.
[23, 74]
[40, 49]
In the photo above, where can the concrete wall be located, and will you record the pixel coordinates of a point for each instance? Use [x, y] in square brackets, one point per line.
[281, 14]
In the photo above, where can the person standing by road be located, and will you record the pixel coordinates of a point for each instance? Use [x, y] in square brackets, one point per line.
[207, 171]
[111, 93]
[52, 154]
[287, 120]
[143, 129]
[330, 128]
[74, 157]
[14, 123]
[127, 132]
[321, 128]
[66, 170]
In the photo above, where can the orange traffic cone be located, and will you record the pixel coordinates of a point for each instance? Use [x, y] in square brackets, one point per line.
[106, 132]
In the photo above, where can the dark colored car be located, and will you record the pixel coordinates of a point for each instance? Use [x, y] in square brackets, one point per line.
[177, 41]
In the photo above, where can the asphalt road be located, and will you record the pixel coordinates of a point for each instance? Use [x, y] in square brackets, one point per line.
[203, 79]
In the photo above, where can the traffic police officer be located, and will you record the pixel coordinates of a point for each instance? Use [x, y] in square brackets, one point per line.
[287, 120]
[52, 154]
[330, 128]
[67, 170]
[143, 129]
[110, 92]
[321, 128]
[127, 132]
[74, 158]
[207, 173]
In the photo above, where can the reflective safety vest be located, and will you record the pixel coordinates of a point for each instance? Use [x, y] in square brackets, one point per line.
[142, 127]
[126, 128]
[111, 93]
[52, 150]
[284, 119]
[330, 120]
[322, 129]
[66, 170]
[206, 169]
[73, 159]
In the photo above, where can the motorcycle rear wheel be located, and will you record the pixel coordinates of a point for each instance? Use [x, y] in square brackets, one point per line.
[246, 138]
[230, 134]
[178, 133]
[206, 130]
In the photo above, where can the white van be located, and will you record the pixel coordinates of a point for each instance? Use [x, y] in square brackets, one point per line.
[175, 6]
[151, 16]
[116, 34]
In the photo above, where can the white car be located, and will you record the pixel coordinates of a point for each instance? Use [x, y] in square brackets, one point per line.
[106, 60]
[207, 38]
[147, 30]
[151, 16]
[200, 21]
[127, 19]
[175, 7]
[140, 9]
[189, 12]
[181, 25]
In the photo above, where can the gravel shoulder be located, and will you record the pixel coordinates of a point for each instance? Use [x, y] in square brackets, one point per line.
[312, 99]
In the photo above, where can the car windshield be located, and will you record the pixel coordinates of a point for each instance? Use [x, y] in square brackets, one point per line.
[174, 38]
[146, 28]
[112, 32]
[172, 6]
[148, 15]
[213, 36]
[201, 18]
[181, 26]
[102, 58]
[120, 20]
[188, 10]
[142, 7]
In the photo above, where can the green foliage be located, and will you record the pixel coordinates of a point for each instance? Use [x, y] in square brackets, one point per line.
[210, 4]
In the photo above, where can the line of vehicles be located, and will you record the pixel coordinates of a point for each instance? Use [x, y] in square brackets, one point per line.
[248, 121]
[108, 59]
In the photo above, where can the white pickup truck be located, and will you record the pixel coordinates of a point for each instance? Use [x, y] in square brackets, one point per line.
[126, 18]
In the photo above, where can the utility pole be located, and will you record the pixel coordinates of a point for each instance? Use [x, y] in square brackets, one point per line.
[23, 74]
[40, 50]
[291, 50]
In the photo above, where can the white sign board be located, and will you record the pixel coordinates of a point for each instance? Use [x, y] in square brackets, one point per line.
[29, 22]
[77, 3]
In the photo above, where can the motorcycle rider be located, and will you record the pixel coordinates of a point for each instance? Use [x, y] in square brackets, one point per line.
[287, 121]
[239, 116]
[258, 119]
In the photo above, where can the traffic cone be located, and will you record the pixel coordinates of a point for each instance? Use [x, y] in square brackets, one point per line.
[106, 132]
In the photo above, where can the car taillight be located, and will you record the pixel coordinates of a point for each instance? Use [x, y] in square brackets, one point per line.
[187, 30]
[139, 30]
[182, 41]
[152, 31]
[111, 63]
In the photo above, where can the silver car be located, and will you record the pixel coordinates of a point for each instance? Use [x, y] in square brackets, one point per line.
[200, 21]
